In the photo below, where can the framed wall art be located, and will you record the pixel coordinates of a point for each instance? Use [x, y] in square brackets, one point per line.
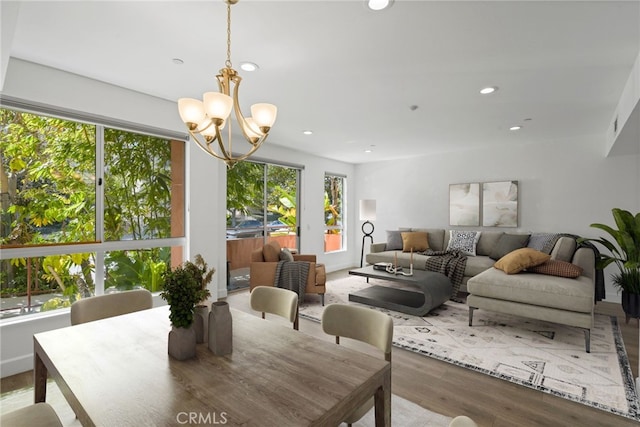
[464, 204]
[500, 204]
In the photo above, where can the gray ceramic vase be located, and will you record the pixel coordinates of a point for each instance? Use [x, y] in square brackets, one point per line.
[201, 323]
[182, 343]
[220, 329]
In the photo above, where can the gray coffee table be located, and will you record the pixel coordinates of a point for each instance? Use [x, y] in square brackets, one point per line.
[435, 289]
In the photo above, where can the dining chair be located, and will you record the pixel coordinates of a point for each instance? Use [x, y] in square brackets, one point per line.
[38, 414]
[109, 305]
[278, 301]
[362, 324]
[462, 421]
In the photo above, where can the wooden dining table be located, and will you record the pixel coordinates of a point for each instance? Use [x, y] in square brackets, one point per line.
[117, 372]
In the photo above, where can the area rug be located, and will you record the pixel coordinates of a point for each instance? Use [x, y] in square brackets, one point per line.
[403, 412]
[544, 356]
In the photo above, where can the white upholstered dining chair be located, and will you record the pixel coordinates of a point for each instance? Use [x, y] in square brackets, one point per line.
[278, 301]
[109, 305]
[38, 414]
[363, 324]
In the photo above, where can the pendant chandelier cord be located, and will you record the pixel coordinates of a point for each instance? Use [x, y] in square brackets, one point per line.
[228, 61]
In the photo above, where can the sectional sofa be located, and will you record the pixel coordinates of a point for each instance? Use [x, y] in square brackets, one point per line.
[558, 286]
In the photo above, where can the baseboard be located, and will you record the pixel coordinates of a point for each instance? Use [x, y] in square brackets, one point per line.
[16, 365]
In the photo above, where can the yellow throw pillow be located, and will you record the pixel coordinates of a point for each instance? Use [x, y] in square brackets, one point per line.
[414, 240]
[518, 260]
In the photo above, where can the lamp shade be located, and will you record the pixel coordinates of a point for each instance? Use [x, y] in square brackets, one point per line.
[191, 110]
[367, 210]
[217, 105]
[264, 115]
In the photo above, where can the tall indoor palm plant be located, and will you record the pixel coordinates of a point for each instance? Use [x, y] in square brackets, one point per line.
[625, 253]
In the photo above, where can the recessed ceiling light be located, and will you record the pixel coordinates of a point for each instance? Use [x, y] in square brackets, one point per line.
[307, 132]
[488, 90]
[177, 61]
[378, 4]
[248, 66]
[367, 151]
[515, 128]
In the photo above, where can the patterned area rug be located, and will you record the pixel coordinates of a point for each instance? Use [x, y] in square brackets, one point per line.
[544, 356]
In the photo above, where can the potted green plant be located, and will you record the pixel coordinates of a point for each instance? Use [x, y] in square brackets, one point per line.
[182, 289]
[625, 253]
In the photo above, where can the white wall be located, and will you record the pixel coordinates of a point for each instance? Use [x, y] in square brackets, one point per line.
[563, 186]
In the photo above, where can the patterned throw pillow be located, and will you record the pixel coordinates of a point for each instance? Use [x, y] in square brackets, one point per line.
[542, 242]
[415, 241]
[394, 241]
[520, 259]
[557, 268]
[463, 241]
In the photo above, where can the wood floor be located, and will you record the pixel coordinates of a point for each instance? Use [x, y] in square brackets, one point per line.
[452, 390]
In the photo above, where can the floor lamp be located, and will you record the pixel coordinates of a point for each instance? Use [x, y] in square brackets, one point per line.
[367, 214]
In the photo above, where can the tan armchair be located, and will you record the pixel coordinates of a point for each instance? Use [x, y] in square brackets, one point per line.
[262, 270]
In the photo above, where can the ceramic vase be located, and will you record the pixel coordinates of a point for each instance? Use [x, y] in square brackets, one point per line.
[182, 343]
[220, 329]
[201, 323]
[631, 305]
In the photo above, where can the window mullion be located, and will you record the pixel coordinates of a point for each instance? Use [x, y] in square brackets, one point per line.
[99, 261]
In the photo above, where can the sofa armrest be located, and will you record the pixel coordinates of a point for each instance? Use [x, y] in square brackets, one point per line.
[586, 259]
[377, 247]
[302, 257]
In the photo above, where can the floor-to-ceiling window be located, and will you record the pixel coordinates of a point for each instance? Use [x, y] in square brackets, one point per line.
[85, 209]
[262, 200]
[334, 193]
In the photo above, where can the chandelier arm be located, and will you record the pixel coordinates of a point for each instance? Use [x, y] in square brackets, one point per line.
[206, 146]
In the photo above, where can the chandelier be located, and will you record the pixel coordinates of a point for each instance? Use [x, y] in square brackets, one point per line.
[206, 119]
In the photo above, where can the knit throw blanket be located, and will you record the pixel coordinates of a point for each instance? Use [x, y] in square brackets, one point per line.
[292, 275]
[449, 263]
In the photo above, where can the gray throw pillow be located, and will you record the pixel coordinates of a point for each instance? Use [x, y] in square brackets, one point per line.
[285, 255]
[394, 240]
[508, 243]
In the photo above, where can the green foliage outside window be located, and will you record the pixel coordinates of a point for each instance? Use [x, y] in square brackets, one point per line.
[48, 196]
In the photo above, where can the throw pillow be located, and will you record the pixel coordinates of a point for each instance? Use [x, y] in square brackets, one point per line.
[463, 241]
[516, 261]
[394, 240]
[271, 252]
[286, 255]
[542, 242]
[557, 268]
[508, 243]
[415, 241]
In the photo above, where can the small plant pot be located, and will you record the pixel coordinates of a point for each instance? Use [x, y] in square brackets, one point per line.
[182, 343]
[631, 305]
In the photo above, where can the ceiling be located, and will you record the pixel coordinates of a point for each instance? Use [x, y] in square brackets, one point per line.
[351, 75]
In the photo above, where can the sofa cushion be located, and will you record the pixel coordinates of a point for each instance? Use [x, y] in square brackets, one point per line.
[477, 264]
[271, 251]
[535, 289]
[487, 242]
[557, 268]
[435, 237]
[394, 240]
[516, 261]
[414, 241]
[463, 241]
[508, 243]
[564, 249]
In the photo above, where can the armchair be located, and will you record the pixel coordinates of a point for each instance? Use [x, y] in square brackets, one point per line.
[264, 261]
